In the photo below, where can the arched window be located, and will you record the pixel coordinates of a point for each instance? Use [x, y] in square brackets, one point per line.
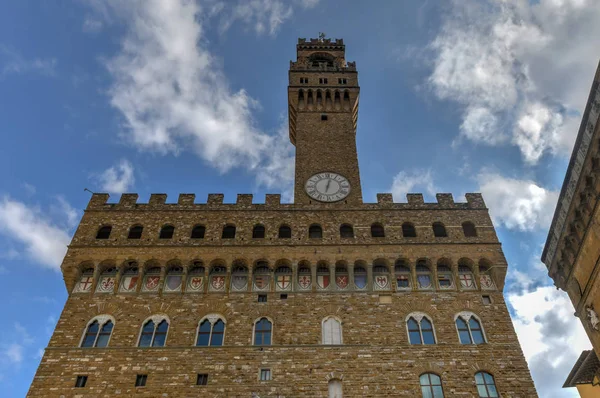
[107, 280]
[285, 232]
[174, 279]
[403, 276]
[377, 231]
[346, 231]
[431, 385]
[85, 281]
[304, 276]
[239, 278]
[439, 230]
[262, 332]
[486, 386]
[381, 276]
[211, 331]
[228, 232]
[195, 278]
[469, 329]
[129, 280]
[360, 277]
[420, 329]
[341, 275]
[166, 232]
[283, 278]
[315, 231]
[217, 276]
[423, 275]
[469, 229]
[104, 232]
[444, 274]
[198, 232]
[335, 388]
[331, 331]
[151, 280]
[322, 276]
[154, 333]
[135, 232]
[485, 279]
[98, 332]
[258, 232]
[408, 230]
[262, 276]
[465, 275]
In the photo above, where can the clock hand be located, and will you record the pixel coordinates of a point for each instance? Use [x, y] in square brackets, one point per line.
[327, 187]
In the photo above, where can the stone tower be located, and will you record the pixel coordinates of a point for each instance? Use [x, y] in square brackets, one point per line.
[324, 297]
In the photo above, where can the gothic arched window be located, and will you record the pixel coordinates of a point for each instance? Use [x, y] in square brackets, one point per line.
[154, 333]
[166, 232]
[98, 332]
[346, 231]
[135, 232]
[198, 232]
[104, 232]
[486, 386]
[331, 331]
[211, 331]
[262, 332]
[335, 388]
[431, 385]
[469, 329]
[420, 329]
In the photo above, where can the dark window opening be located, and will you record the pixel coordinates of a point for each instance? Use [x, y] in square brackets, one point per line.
[323, 117]
[487, 300]
[202, 379]
[262, 332]
[342, 81]
[439, 230]
[408, 230]
[285, 232]
[283, 297]
[315, 231]
[228, 232]
[377, 231]
[135, 232]
[104, 232]
[262, 298]
[140, 380]
[265, 374]
[81, 381]
[258, 232]
[166, 232]
[346, 231]
[469, 229]
[198, 232]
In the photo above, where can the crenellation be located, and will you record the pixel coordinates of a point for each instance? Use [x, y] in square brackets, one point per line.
[385, 199]
[186, 199]
[445, 199]
[273, 199]
[415, 199]
[244, 199]
[157, 199]
[215, 199]
[128, 200]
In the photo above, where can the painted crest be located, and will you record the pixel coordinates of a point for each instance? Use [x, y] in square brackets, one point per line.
[592, 317]
[424, 281]
[402, 281]
[381, 281]
[196, 283]
[341, 281]
[173, 282]
[304, 281]
[360, 280]
[323, 281]
[128, 283]
[217, 282]
[151, 282]
[239, 282]
[284, 282]
[106, 284]
[466, 281]
[85, 284]
[261, 282]
[486, 281]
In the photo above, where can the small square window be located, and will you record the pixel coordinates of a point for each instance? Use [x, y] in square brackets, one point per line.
[283, 296]
[262, 298]
[265, 374]
[202, 379]
[140, 380]
[487, 300]
[323, 117]
[81, 381]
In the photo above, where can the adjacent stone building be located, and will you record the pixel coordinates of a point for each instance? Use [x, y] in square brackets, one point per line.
[324, 297]
[572, 250]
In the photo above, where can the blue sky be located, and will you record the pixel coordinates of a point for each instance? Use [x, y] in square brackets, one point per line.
[182, 96]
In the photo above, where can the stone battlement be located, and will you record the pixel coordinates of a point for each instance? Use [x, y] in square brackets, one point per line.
[158, 201]
[303, 43]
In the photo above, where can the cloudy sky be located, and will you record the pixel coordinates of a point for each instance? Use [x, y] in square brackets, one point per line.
[182, 96]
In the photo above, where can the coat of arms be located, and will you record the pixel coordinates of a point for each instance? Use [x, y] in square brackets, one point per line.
[466, 281]
[152, 282]
[360, 280]
[217, 282]
[341, 281]
[284, 281]
[486, 281]
[261, 282]
[381, 281]
[107, 284]
[323, 281]
[304, 281]
[85, 284]
[173, 282]
[239, 282]
[196, 283]
[129, 282]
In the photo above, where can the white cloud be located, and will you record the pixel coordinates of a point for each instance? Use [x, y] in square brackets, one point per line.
[173, 95]
[520, 69]
[12, 351]
[92, 24]
[44, 241]
[117, 179]
[11, 62]
[64, 211]
[415, 181]
[550, 335]
[517, 204]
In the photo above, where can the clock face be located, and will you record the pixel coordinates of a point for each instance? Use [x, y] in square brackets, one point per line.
[327, 187]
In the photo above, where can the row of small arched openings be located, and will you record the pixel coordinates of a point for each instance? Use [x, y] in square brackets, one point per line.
[315, 231]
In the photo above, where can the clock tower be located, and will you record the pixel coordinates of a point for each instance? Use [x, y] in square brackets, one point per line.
[323, 96]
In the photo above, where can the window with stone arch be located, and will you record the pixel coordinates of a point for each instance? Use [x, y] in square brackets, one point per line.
[198, 232]
[381, 275]
[423, 274]
[420, 329]
[444, 274]
[166, 232]
[174, 278]
[360, 275]
[262, 276]
[196, 277]
[304, 276]
[107, 279]
[151, 280]
[135, 232]
[342, 279]
[377, 230]
[431, 385]
[104, 232]
[217, 277]
[465, 274]
[263, 331]
[403, 275]
[439, 230]
[485, 278]
[285, 232]
[98, 332]
[154, 331]
[486, 385]
[239, 277]
[335, 388]
[346, 231]
[408, 230]
[315, 231]
[211, 331]
[323, 277]
[469, 328]
[283, 276]
[228, 232]
[86, 280]
[469, 229]
[258, 232]
[331, 331]
[130, 278]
